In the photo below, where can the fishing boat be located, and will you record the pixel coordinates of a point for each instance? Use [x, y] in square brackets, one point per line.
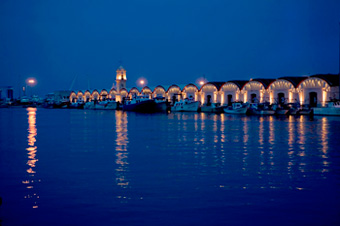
[236, 108]
[281, 109]
[186, 105]
[305, 110]
[331, 108]
[78, 105]
[140, 104]
[161, 104]
[101, 105]
[261, 109]
[213, 108]
[293, 108]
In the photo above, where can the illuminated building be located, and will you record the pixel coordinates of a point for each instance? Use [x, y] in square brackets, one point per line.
[314, 90]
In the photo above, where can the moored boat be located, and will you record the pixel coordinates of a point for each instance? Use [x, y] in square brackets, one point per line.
[140, 104]
[213, 108]
[305, 110]
[161, 104]
[101, 105]
[186, 105]
[331, 108]
[237, 108]
[260, 109]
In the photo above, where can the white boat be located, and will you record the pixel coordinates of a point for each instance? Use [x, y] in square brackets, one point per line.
[213, 108]
[236, 108]
[331, 108]
[102, 105]
[25, 100]
[186, 105]
[261, 109]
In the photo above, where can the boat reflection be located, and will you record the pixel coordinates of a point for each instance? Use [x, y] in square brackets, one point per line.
[31, 162]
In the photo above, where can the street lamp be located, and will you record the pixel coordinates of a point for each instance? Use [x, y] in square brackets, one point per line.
[30, 82]
[141, 82]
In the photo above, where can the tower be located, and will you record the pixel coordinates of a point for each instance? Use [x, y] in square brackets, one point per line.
[120, 78]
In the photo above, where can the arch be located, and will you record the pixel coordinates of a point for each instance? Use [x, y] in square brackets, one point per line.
[173, 93]
[229, 92]
[313, 84]
[103, 95]
[159, 91]
[73, 97]
[284, 86]
[112, 94]
[87, 96]
[123, 92]
[80, 96]
[190, 90]
[95, 95]
[133, 92]
[251, 88]
[209, 92]
[147, 91]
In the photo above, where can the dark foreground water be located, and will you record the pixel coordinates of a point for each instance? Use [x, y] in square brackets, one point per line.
[77, 167]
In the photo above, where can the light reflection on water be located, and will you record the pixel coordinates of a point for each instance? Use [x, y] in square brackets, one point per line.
[200, 162]
[121, 150]
[31, 180]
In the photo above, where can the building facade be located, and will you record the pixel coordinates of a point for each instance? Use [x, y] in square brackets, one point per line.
[314, 90]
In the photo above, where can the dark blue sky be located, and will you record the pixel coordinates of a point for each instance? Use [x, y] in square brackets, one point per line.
[165, 41]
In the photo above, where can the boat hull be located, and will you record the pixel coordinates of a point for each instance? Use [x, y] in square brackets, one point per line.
[261, 112]
[242, 110]
[188, 107]
[99, 106]
[161, 107]
[282, 112]
[212, 109]
[147, 106]
[327, 111]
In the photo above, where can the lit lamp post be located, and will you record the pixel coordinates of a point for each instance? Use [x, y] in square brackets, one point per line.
[141, 82]
[30, 82]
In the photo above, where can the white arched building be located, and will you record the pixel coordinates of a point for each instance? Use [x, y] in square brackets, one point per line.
[190, 90]
[209, 93]
[317, 89]
[313, 90]
[256, 90]
[230, 91]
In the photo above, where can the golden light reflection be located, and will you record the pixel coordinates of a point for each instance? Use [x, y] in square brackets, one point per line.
[245, 145]
[121, 149]
[324, 143]
[31, 152]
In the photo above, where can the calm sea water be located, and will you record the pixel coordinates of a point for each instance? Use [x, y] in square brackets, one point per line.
[78, 167]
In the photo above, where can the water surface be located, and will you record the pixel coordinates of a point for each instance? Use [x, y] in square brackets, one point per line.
[82, 167]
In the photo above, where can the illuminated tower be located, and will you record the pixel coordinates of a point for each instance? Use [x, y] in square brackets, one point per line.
[121, 78]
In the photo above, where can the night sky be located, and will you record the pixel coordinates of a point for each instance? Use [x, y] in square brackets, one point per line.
[165, 41]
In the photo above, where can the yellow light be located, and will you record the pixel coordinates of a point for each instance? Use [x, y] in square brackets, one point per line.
[31, 81]
[142, 82]
[201, 83]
